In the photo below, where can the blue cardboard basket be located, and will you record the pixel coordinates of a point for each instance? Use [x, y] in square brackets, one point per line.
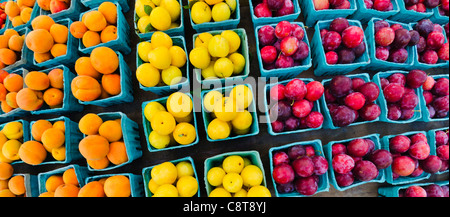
[207, 118]
[72, 12]
[321, 67]
[18, 112]
[121, 43]
[432, 142]
[216, 161]
[73, 137]
[34, 13]
[31, 184]
[328, 153]
[384, 105]
[312, 15]
[424, 109]
[146, 175]
[323, 184]
[403, 180]
[328, 121]
[364, 14]
[25, 59]
[377, 64]
[126, 93]
[177, 31]
[135, 182]
[258, 21]
[438, 18]
[266, 108]
[70, 103]
[394, 191]
[96, 3]
[284, 73]
[131, 139]
[408, 16]
[72, 50]
[231, 23]
[80, 171]
[26, 134]
[167, 89]
[244, 50]
[148, 128]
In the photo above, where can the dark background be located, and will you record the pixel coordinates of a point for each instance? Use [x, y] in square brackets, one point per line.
[261, 142]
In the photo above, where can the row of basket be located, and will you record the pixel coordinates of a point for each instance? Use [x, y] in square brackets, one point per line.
[139, 184]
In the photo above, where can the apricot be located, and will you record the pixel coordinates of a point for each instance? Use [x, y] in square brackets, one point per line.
[6, 193]
[3, 159]
[37, 80]
[98, 164]
[3, 92]
[4, 40]
[53, 97]
[47, 194]
[104, 60]
[60, 125]
[90, 124]
[77, 29]
[7, 56]
[70, 177]
[58, 50]
[32, 152]
[67, 190]
[15, 43]
[12, 9]
[53, 182]
[29, 100]
[3, 75]
[6, 171]
[109, 11]
[3, 184]
[83, 66]
[13, 82]
[53, 138]
[109, 34]
[111, 84]
[56, 78]
[94, 21]
[94, 147]
[11, 99]
[92, 189]
[17, 185]
[13, 130]
[39, 41]
[85, 88]
[39, 127]
[111, 130]
[59, 153]
[117, 186]
[3, 138]
[117, 153]
[10, 32]
[104, 94]
[11, 149]
[42, 22]
[25, 14]
[17, 21]
[60, 33]
[28, 3]
[91, 38]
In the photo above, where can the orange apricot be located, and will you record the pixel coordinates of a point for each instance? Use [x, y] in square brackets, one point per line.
[60, 33]
[109, 34]
[53, 97]
[15, 43]
[90, 39]
[98, 164]
[17, 185]
[95, 21]
[39, 127]
[39, 41]
[117, 186]
[104, 60]
[47, 194]
[77, 29]
[111, 130]
[94, 147]
[32, 152]
[6, 193]
[42, 57]
[42, 22]
[56, 78]
[58, 50]
[7, 56]
[109, 11]
[53, 138]
[13, 82]
[6, 171]
[29, 100]
[53, 182]
[37, 80]
[5, 107]
[117, 153]
[83, 66]
[11, 99]
[111, 84]
[85, 88]
[3, 92]
[90, 123]
[92, 189]
[67, 190]
[60, 125]
[70, 177]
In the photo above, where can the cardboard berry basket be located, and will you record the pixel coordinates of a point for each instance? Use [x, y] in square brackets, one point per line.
[394, 191]
[72, 12]
[26, 134]
[25, 60]
[17, 112]
[258, 21]
[34, 13]
[424, 108]
[364, 14]
[31, 184]
[232, 23]
[312, 15]
[432, 142]
[438, 18]
[80, 171]
[135, 182]
[408, 16]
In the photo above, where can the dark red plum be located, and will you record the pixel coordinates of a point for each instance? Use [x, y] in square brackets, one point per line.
[399, 144]
[357, 83]
[429, 57]
[441, 104]
[266, 35]
[435, 40]
[398, 55]
[331, 57]
[393, 92]
[331, 41]
[262, 10]
[286, 9]
[382, 53]
[338, 148]
[416, 78]
[397, 78]
[286, 188]
[295, 90]
[275, 4]
[303, 166]
[269, 54]
[441, 138]
[370, 90]
[415, 37]
[306, 186]
[442, 152]
[283, 174]
[415, 191]
[355, 100]
[340, 86]
[339, 25]
[394, 112]
[297, 31]
[365, 171]
[370, 112]
[357, 148]
[315, 90]
[280, 111]
[320, 165]
[380, 24]
[419, 150]
[443, 52]
[409, 101]
[344, 180]
[314, 119]
[283, 29]
[424, 27]
[343, 116]
[284, 61]
[301, 108]
[302, 51]
[343, 163]
[296, 151]
[381, 158]
[384, 36]
[441, 88]
[403, 165]
[360, 49]
[432, 164]
[434, 190]
[277, 126]
[280, 158]
[352, 36]
[292, 123]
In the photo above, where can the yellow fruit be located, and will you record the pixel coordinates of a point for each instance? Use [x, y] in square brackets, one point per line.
[179, 104]
[164, 173]
[171, 75]
[233, 164]
[163, 123]
[178, 56]
[159, 39]
[144, 7]
[252, 176]
[143, 49]
[218, 46]
[160, 18]
[201, 13]
[215, 176]
[232, 4]
[232, 182]
[148, 75]
[226, 110]
[157, 2]
[158, 141]
[219, 192]
[208, 73]
[238, 61]
[187, 186]
[258, 191]
[233, 40]
[166, 190]
[59, 153]
[221, 12]
[152, 186]
[199, 57]
[184, 168]
[213, 2]
[11, 149]
[211, 99]
[223, 67]
[184, 133]
[240, 193]
[13, 130]
[160, 57]
[152, 108]
[173, 7]
[203, 39]
[144, 24]
[218, 129]
[243, 96]
[242, 121]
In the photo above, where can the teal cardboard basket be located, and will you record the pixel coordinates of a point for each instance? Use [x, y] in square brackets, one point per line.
[328, 121]
[130, 137]
[231, 23]
[148, 128]
[409, 16]
[126, 87]
[207, 118]
[177, 31]
[146, 175]
[17, 112]
[31, 184]
[394, 191]
[377, 64]
[70, 103]
[80, 172]
[216, 161]
[135, 182]
[244, 50]
[312, 15]
[34, 13]
[328, 153]
[26, 134]
[323, 183]
[424, 108]
[96, 3]
[25, 60]
[384, 105]
[71, 54]
[73, 137]
[408, 179]
[321, 67]
[266, 108]
[121, 43]
[72, 12]
[167, 89]
[364, 14]
[438, 18]
[424, 66]
[432, 142]
[258, 21]
[284, 73]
